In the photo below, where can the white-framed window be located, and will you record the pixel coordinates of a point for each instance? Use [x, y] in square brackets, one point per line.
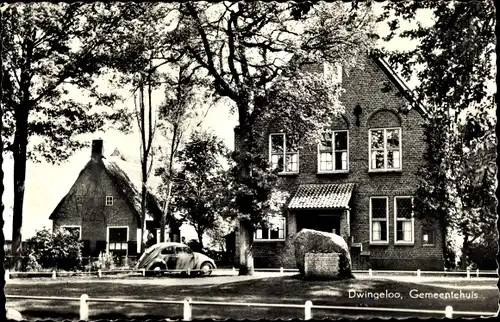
[385, 149]
[281, 154]
[428, 237]
[158, 235]
[109, 200]
[74, 229]
[276, 232]
[333, 152]
[379, 220]
[117, 240]
[404, 225]
[333, 72]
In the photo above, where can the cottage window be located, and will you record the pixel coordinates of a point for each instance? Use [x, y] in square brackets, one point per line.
[333, 152]
[385, 149]
[379, 232]
[275, 232]
[76, 230]
[109, 200]
[428, 237]
[118, 240]
[281, 154]
[404, 222]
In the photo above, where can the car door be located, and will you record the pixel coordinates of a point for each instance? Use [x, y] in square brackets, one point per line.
[185, 258]
[169, 257]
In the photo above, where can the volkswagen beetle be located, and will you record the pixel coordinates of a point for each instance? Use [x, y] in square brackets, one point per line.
[174, 256]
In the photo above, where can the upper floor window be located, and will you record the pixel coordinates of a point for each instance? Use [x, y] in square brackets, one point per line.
[277, 232]
[109, 200]
[404, 223]
[379, 232]
[333, 152]
[385, 149]
[281, 154]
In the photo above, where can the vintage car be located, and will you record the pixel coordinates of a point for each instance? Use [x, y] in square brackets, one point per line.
[176, 257]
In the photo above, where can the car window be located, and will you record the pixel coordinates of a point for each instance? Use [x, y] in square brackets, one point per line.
[183, 250]
[167, 251]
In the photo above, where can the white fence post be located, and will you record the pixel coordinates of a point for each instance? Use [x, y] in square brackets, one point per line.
[53, 275]
[99, 273]
[188, 309]
[7, 275]
[143, 272]
[188, 272]
[308, 310]
[281, 271]
[448, 312]
[477, 272]
[468, 272]
[418, 273]
[234, 270]
[370, 272]
[84, 307]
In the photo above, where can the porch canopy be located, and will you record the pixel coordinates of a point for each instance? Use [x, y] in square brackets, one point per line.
[322, 196]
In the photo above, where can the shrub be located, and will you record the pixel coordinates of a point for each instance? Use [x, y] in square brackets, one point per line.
[61, 249]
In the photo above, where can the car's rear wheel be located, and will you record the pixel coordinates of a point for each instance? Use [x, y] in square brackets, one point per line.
[155, 270]
[206, 268]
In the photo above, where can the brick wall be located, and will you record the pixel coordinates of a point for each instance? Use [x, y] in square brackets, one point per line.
[85, 206]
[381, 106]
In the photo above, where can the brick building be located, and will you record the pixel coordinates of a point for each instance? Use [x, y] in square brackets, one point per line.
[104, 206]
[359, 181]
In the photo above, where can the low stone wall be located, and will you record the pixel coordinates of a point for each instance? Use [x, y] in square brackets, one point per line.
[321, 265]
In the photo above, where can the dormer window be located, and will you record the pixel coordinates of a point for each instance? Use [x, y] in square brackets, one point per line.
[281, 154]
[333, 152]
[109, 200]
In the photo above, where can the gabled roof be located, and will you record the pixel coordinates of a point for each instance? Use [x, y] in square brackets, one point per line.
[322, 196]
[126, 186]
[399, 83]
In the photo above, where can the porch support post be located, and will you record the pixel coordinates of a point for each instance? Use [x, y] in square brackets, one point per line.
[348, 220]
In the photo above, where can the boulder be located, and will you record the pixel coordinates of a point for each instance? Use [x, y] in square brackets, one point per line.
[313, 241]
[13, 315]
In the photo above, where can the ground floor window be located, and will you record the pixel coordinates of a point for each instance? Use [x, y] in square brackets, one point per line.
[75, 230]
[428, 237]
[379, 220]
[118, 240]
[276, 231]
[404, 220]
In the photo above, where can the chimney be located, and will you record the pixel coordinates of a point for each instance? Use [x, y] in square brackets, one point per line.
[96, 150]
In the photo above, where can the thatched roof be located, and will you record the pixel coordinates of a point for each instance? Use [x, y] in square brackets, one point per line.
[127, 178]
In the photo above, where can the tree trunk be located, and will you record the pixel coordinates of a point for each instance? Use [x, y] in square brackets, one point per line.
[465, 250]
[200, 238]
[3, 311]
[20, 154]
[165, 212]
[246, 256]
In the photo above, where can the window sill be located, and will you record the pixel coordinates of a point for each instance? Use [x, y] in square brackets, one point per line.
[268, 240]
[428, 245]
[385, 170]
[288, 173]
[334, 172]
[404, 243]
[374, 243]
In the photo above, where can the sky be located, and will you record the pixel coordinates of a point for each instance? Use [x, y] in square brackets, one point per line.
[46, 184]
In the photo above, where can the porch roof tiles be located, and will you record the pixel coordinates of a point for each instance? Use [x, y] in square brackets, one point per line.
[322, 196]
